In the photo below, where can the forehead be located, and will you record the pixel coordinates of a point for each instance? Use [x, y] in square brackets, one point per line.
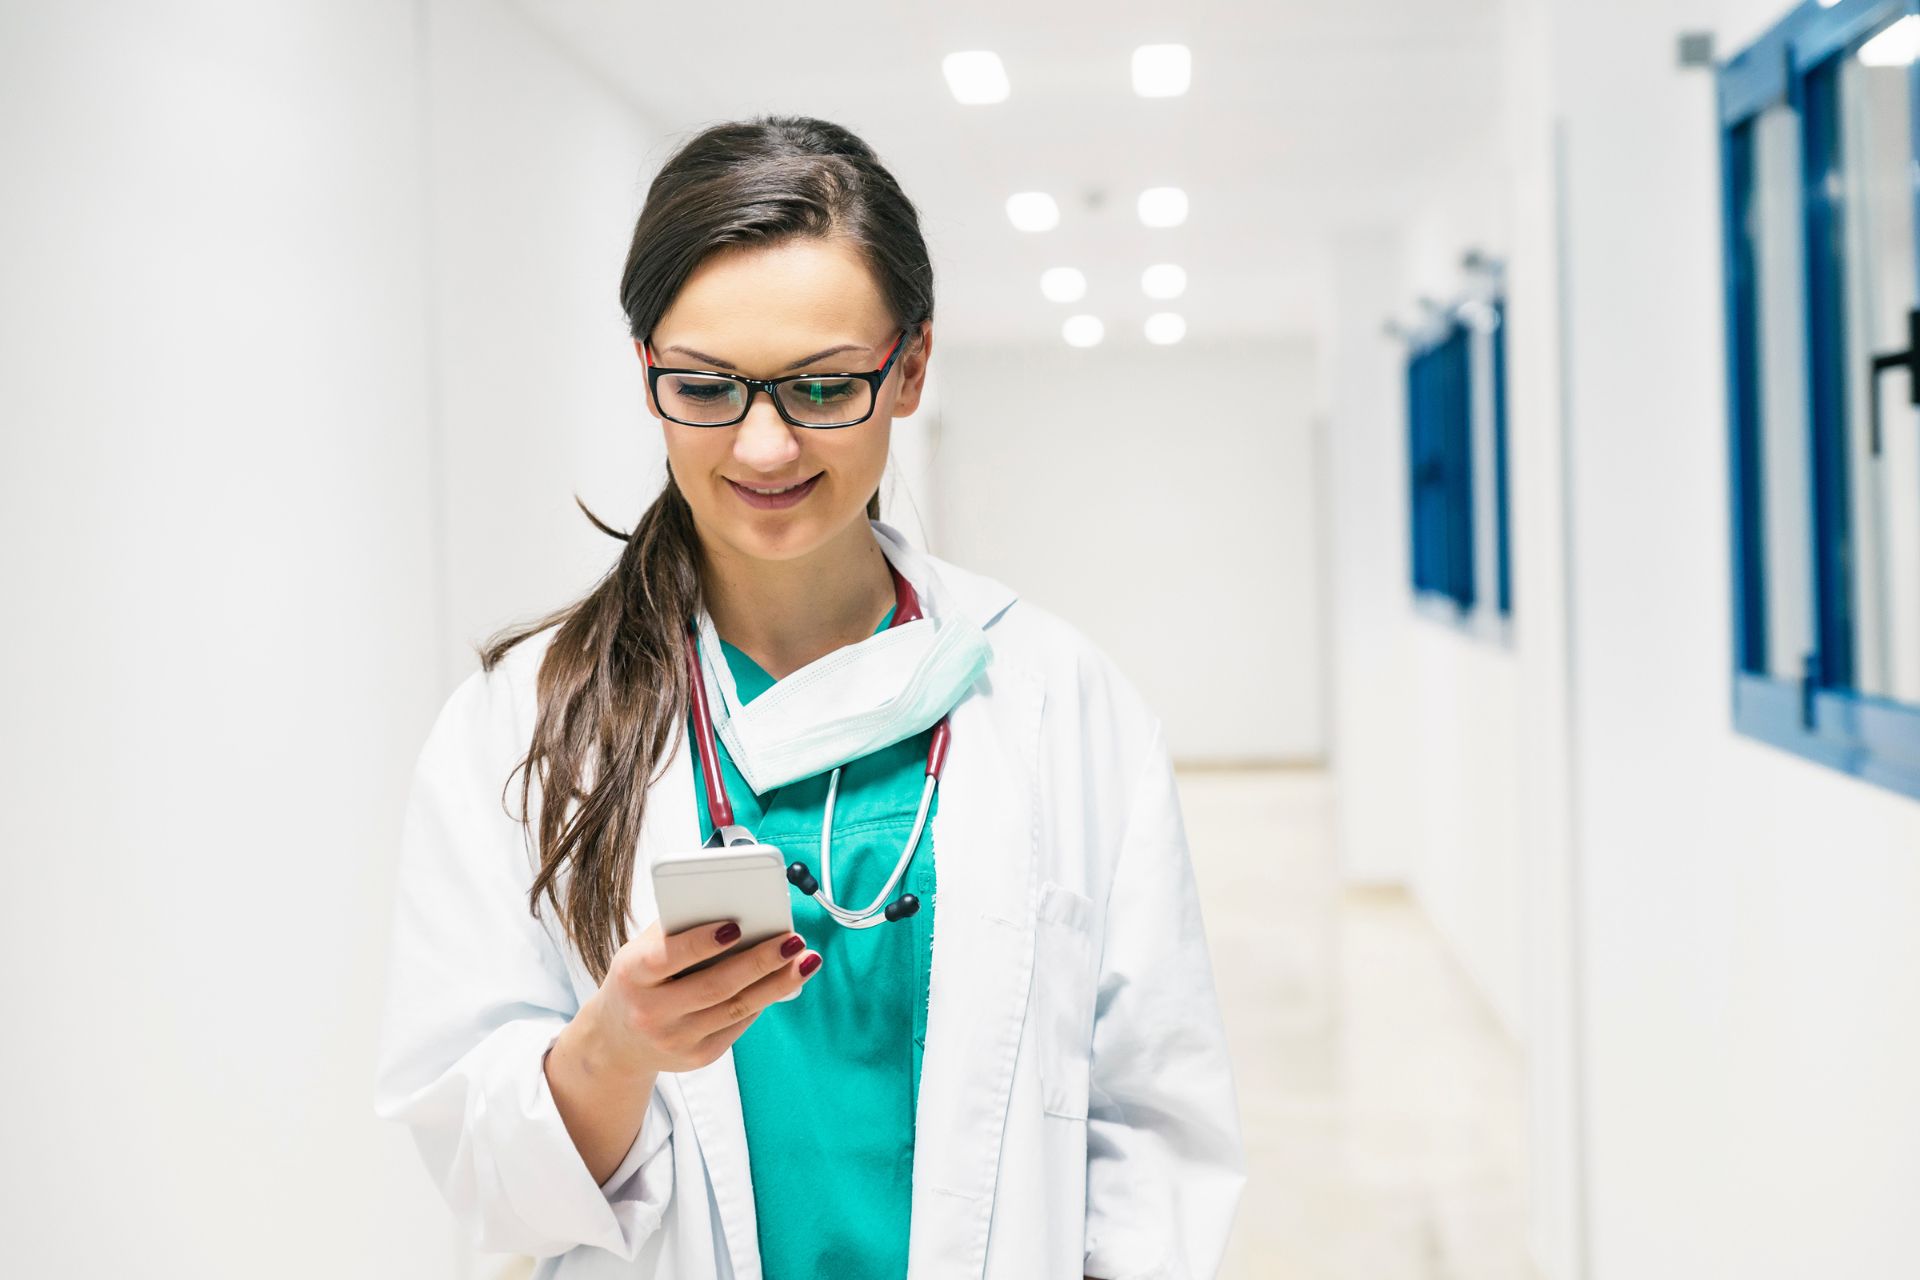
[765, 303]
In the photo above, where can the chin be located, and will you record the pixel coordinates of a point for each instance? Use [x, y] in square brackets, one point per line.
[781, 536]
[792, 542]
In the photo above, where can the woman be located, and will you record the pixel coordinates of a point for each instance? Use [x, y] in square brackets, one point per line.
[1027, 1076]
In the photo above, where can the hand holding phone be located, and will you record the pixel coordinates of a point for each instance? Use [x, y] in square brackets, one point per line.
[655, 1013]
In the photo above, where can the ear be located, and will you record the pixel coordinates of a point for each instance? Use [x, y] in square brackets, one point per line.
[912, 369]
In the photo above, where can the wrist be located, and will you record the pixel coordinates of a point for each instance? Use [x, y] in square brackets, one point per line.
[597, 1051]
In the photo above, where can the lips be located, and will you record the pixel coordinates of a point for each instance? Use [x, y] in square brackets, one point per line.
[775, 498]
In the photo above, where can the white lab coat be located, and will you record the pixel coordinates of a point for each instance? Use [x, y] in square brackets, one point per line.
[1076, 1113]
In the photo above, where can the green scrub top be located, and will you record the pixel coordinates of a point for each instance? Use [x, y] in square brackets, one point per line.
[829, 1080]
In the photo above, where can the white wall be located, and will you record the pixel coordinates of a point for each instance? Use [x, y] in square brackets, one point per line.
[236, 576]
[1753, 971]
[1164, 501]
[1370, 659]
[1705, 944]
[1427, 753]
[541, 396]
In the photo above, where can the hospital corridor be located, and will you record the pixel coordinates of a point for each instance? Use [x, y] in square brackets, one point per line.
[1001, 642]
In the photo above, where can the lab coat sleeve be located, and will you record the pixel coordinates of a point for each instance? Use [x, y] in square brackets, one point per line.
[1165, 1165]
[477, 992]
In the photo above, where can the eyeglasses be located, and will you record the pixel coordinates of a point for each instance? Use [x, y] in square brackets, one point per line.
[702, 398]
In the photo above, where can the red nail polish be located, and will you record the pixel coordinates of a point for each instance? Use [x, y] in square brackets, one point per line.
[808, 965]
[726, 933]
[792, 946]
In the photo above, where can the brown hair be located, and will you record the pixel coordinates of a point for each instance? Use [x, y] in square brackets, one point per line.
[612, 689]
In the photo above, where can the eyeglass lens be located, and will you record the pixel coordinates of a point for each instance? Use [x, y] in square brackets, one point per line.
[710, 400]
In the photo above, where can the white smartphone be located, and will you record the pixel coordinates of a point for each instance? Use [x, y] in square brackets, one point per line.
[746, 882]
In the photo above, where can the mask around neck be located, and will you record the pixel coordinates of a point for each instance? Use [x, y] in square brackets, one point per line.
[846, 704]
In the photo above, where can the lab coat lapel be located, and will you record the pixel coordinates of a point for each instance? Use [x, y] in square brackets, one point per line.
[712, 1093]
[983, 840]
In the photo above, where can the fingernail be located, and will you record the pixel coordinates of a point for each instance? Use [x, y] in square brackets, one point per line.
[728, 932]
[808, 965]
[792, 946]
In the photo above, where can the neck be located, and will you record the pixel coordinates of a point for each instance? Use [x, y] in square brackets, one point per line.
[786, 613]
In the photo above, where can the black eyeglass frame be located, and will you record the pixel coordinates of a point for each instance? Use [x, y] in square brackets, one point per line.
[874, 378]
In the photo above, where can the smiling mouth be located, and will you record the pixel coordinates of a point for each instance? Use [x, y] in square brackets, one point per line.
[776, 497]
[768, 493]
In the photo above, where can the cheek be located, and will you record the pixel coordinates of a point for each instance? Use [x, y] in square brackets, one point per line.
[865, 458]
[692, 453]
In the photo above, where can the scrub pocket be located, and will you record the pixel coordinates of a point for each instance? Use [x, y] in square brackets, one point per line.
[1064, 962]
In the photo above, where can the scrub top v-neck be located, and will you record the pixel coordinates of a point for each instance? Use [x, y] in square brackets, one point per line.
[829, 1081]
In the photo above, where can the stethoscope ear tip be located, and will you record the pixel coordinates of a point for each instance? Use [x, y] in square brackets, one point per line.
[902, 907]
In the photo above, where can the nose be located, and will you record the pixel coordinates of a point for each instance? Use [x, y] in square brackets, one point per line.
[764, 441]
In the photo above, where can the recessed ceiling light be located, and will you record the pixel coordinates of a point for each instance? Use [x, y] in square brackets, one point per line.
[1162, 70]
[976, 77]
[1164, 328]
[1163, 206]
[1163, 280]
[1897, 46]
[1033, 211]
[1083, 331]
[1063, 284]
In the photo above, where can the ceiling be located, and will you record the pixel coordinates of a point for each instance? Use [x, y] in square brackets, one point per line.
[1303, 119]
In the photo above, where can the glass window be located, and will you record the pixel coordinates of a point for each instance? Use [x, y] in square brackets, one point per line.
[1440, 455]
[1822, 178]
[1773, 429]
[1876, 188]
[1457, 451]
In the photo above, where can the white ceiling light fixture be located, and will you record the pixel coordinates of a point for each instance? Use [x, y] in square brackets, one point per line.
[1083, 331]
[1033, 211]
[1163, 280]
[977, 77]
[1164, 328]
[1162, 70]
[1163, 206]
[1063, 284]
[1897, 46]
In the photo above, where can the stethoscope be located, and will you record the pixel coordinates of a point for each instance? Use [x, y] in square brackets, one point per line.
[720, 809]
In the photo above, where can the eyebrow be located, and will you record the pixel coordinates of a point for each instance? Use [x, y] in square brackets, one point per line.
[797, 364]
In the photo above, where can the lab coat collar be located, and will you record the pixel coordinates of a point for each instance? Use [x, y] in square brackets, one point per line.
[982, 950]
[944, 588]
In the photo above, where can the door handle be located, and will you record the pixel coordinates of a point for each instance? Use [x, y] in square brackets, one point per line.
[1880, 365]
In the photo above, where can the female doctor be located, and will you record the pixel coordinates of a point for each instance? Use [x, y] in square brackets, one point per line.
[1023, 1077]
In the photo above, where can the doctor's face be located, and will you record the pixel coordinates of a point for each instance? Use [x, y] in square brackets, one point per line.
[764, 488]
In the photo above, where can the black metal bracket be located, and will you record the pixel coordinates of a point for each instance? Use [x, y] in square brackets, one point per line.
[1908, 360]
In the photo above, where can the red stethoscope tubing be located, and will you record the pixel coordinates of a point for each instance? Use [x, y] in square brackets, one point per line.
[906, 608]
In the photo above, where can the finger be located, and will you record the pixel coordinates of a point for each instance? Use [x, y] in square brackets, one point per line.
[689, 947]
[722, 982]
[753, 998]
[720, 1041]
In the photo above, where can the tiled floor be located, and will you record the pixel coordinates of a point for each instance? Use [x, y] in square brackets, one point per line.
[1382, 1107]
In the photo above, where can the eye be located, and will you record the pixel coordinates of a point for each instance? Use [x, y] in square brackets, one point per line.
[827, 390]
[703, 392]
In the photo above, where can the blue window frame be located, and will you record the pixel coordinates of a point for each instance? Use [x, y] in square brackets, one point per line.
[1457, 460]
[1821, 185]
[1503, 568]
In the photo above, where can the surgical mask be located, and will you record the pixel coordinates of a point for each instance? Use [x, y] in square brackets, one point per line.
[848, 704]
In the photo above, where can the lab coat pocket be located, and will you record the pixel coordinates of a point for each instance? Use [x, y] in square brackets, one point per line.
[1064, 960]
